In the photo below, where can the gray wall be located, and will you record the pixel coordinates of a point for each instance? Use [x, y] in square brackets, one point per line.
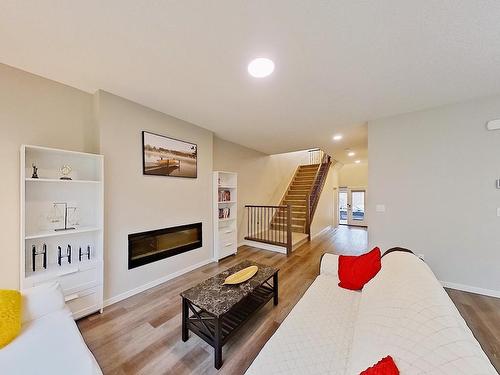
[136, 203]
[33, 110]
[435, 172]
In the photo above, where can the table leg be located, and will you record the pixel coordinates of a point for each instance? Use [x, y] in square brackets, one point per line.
[275, 288]
[185, 317]
[218, 343]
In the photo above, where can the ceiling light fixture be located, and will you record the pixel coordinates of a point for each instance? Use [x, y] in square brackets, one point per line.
[337, 137]
[358, 161]
[351, 153]
[260, 67]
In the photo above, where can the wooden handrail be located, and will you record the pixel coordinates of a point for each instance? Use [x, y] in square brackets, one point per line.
[308, 216]
[289, 244]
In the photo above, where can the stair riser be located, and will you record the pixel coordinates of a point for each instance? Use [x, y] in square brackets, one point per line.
[298, 188]
[304, 177]
[292, 195]
[295, 228]
[295, 221]
[308, 167]
[297, 206]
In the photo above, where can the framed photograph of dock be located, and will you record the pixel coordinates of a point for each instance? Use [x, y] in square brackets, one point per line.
[164, 156]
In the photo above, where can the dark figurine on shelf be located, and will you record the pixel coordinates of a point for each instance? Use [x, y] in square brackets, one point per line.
[81, 253]
[34, 253]
[35, 171]
[60, 255]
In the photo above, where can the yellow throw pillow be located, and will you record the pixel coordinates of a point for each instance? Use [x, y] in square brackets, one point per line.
[10, 316]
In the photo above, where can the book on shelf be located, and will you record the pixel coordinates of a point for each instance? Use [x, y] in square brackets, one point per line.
[224, 195]
[224, 213]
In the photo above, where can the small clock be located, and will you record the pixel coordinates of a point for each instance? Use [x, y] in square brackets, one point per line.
[65, 171]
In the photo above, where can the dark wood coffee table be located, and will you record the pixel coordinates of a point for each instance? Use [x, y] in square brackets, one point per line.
[215, 312]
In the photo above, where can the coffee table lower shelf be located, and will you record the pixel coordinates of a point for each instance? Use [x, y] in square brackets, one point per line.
[217, 330]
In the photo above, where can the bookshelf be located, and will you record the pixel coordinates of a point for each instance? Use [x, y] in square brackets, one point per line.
[225, 200]
[48, 205]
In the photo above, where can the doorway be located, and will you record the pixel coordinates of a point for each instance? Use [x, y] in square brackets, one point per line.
[352, 203]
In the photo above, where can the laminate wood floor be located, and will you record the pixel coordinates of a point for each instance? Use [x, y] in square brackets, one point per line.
[142, 334]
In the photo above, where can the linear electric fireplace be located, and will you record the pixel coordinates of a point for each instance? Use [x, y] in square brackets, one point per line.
[148, 247]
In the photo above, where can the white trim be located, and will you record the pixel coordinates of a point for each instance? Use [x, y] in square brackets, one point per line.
[472, 289]
[322, 231]
[154, 283]
[265, 246]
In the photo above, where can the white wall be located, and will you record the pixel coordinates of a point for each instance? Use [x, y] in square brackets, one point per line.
[354, 175]
[326, 211]
[136, 203]
[435, 172]
[33, 110]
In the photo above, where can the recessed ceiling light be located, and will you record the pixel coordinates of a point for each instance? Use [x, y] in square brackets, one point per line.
[351, 153]
[260, 67]
[358, 161]
[337, 137]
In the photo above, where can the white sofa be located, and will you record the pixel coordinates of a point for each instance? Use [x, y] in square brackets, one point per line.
[403, 312]
[49, 342]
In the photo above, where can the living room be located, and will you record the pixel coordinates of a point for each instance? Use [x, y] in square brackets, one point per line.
[263, 136]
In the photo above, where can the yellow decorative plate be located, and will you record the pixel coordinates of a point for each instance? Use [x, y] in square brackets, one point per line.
[241, 276]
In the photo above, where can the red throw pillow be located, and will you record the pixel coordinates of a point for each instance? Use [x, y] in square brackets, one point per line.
[385, 366]
[356, 271]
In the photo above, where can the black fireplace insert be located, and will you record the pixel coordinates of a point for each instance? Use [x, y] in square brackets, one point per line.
[151, 246]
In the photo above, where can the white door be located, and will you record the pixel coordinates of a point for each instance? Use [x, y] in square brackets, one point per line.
[352, 202]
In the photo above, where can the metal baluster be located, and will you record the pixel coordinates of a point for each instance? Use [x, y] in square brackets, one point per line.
[254, 222]
[260, 223]
[273, 216]
[267, 224]
[281, 224]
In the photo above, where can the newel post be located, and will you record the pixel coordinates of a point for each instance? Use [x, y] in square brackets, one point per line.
[308, 216]
[289, 229]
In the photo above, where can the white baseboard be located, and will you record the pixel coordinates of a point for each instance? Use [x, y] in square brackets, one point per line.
[151, 284]
[322, 231]
[265, 246]
[471, 289]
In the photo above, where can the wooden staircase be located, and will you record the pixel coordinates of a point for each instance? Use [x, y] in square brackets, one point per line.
[288, 224]
[296, 196]
[303, 195]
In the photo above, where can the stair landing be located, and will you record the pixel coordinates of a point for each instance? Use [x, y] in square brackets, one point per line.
[298, 239]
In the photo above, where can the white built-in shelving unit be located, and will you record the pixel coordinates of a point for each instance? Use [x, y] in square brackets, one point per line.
[225, 199]
[81, 279]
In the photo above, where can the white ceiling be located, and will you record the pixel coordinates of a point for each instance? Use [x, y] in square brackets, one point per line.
[338, 63]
